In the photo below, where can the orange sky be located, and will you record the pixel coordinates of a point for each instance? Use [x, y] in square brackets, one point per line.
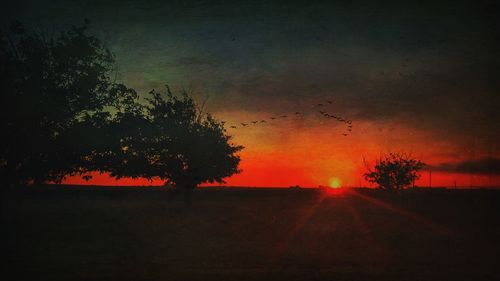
[418, 77]
[311, 151]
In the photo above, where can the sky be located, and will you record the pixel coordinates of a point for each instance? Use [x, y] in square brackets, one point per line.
[419, 77]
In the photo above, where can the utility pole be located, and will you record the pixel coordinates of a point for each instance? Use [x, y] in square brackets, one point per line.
[473, 151]
[430, 179]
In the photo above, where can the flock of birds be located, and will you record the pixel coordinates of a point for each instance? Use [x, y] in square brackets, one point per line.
[319, 109]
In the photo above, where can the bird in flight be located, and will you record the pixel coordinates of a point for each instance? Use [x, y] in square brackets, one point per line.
[298, 114]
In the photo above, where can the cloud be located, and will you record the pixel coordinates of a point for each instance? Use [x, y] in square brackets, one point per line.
[485, 166]
[431, 66]
[195, 61]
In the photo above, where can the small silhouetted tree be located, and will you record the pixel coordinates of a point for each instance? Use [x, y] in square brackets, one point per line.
[173, 140]
[56, 94]
[394, 171]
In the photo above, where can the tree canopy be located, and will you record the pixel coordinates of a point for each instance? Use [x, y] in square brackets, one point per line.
[394, 171]
[171, 139]
[63, 115]
[56, 91]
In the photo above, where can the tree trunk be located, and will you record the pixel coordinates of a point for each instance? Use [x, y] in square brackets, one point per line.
[188, 196]
[7, 176]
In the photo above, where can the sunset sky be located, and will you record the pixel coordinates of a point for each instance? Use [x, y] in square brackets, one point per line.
[420, 77]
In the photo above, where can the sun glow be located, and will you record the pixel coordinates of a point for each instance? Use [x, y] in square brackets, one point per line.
[335, 182]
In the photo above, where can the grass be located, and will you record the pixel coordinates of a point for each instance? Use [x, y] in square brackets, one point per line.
[249, 234]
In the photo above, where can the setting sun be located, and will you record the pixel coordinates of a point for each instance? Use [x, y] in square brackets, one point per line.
[335, 182]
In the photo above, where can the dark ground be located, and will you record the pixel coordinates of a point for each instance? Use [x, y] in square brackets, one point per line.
[146, 234]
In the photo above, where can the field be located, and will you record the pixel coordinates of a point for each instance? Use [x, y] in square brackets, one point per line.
[249, 234]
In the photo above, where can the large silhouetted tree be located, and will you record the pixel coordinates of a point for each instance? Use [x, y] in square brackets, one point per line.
[56, 94]
[394, 171]
[171, 139]
[62, 114]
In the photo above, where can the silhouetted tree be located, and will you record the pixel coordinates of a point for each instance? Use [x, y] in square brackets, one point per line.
[56, 93]
[394, 171]
[173, 140]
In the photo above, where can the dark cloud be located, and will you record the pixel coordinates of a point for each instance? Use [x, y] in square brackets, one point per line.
[195, 61]
[431, 65]
[486, 166]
